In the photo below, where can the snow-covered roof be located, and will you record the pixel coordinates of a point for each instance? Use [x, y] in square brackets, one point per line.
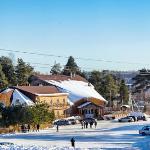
[21, 99]
[85, 104]
[77, 89]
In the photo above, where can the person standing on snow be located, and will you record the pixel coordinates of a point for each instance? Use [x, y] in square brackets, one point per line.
[37, 127]
[95, 124]
[57, 127]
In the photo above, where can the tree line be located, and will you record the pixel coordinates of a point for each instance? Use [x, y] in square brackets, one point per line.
[107, 84]
[11, 75]
[19, 115]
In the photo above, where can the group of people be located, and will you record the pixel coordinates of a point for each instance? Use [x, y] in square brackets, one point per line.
[26, 128]
[85, 124]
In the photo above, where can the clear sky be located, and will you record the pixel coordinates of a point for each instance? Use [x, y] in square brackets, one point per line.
[113, 30]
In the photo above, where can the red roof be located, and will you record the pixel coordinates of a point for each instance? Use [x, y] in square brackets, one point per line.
[38, 89]
[61, 77]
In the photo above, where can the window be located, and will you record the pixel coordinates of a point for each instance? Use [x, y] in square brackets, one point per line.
[57, 100]
[85, 111]
[57, 113]
[63, 100]
[51, 102]
[82, 112]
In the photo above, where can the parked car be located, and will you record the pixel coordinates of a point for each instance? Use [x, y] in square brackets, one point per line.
[126, 119]
[61, 122]
[134, 118]
[72, 121]
[141, 118]
[145, 130]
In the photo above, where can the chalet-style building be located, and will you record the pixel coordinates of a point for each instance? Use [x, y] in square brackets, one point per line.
[83, 98]
[29, 95]
[47, 94]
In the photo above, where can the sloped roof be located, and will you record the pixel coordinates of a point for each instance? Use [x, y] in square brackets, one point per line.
[14, 96]
[38, 89]
[61, 77]
[77, 89]
[20, 98]
[84, 104]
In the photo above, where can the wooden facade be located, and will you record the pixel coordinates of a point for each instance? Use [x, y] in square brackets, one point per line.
[91, 110]
[5, 98]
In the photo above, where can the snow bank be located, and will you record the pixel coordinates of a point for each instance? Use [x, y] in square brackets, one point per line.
[33, 147]
[17, 147]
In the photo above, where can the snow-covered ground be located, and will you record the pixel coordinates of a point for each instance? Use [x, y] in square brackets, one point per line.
[109, 135]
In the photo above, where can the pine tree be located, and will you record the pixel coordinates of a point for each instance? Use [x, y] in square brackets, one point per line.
[110, 88]
[124, 93]
[96, 79]
[8, 69]
[56, 69]
[23, 71]
[71, 67]
[3, 80]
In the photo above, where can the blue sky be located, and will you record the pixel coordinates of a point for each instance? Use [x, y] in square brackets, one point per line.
[116, 30]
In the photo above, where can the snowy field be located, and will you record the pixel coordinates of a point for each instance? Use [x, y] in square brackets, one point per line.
[107, 136]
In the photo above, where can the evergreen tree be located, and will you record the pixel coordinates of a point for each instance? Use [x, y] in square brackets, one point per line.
[141, 80]
[96, 79]
[71, 67]
[41, 113]
[56, 69]
[23, 71]
[8, 69]
[105, 84]
[124, 93]
[3, 80]
[18, 115]
[109, 88]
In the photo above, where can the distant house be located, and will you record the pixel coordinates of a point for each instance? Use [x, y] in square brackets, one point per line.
[85, 100]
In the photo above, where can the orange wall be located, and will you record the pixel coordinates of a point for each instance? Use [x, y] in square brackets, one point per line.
[57, 103]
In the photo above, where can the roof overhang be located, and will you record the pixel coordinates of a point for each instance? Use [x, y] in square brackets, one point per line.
[54, 94]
